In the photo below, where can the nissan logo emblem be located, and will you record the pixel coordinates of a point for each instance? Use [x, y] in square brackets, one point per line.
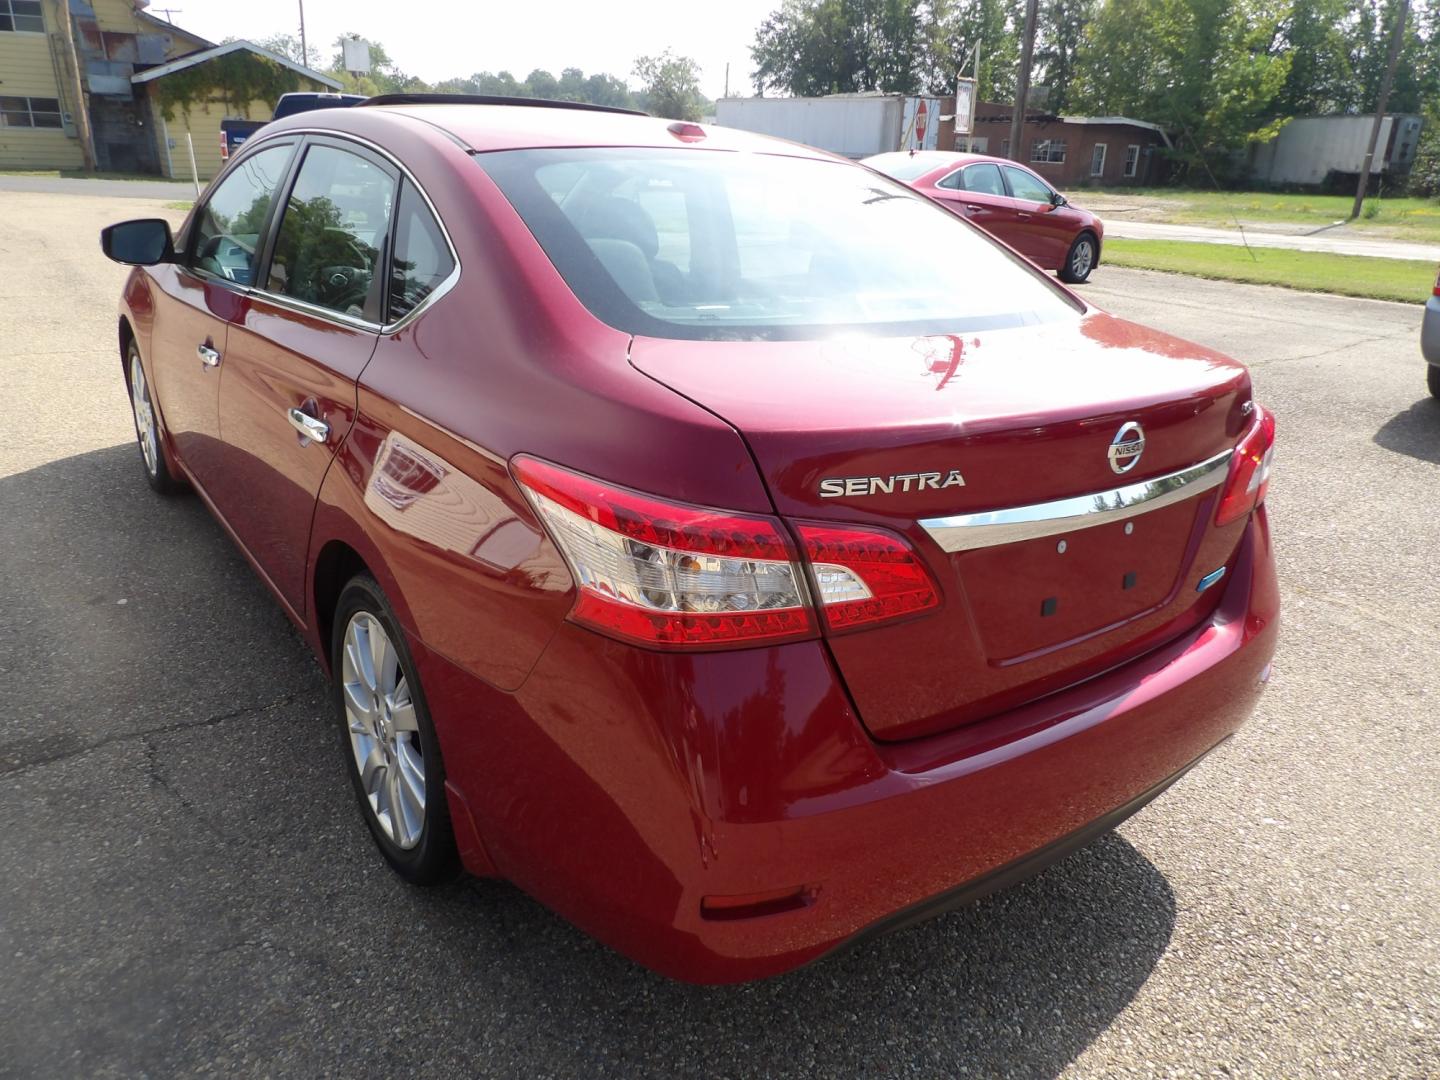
[1126, 447]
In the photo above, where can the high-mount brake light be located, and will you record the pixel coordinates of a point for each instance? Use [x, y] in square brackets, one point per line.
[666, 574]
[1249, 470]
[674, 576]
[865, 576]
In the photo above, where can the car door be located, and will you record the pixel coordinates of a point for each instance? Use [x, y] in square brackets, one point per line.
[977, 193]
[287, 396]
[201, 292]
[1040, 233]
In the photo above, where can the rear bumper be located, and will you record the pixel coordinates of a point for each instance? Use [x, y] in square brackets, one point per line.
[623, 788]
[1430, 331]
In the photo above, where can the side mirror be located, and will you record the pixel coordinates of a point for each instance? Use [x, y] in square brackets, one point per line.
[142, 242]
[1057, 200]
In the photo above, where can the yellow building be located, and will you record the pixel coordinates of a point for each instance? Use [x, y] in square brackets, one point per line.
[124, 56]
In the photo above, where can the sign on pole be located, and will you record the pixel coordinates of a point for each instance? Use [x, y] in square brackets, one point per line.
[357, 56]
[964, 106]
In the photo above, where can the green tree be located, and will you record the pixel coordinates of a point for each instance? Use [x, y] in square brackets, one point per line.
[811, 47]
[1060, 31]
[288, 46]
[385, 76]
[1209, 69]
[949, 32]
[671, 85]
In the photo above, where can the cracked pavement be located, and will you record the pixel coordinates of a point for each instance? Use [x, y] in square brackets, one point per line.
[186, 886]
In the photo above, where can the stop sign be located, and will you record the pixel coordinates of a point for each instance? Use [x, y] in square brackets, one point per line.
[921, 112]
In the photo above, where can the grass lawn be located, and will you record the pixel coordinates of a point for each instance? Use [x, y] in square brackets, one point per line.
[1410, 219]
[1406, 280]
[81, 174]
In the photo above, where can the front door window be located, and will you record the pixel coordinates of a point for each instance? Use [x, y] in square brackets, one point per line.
[228, 230]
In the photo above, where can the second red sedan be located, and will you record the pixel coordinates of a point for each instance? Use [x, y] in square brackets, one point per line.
[1007, 200]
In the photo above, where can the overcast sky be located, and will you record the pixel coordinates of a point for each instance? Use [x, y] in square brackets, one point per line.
[437, 40]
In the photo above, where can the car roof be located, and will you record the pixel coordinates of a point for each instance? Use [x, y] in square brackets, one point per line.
[484, 128]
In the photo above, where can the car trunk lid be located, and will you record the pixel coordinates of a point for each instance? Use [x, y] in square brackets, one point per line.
[991, 453]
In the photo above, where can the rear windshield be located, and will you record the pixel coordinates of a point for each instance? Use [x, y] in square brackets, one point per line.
[686, 243]
[906, 166]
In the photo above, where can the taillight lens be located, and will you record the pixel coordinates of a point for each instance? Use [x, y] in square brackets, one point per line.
[666, 574]
[671, 575]
[1249, 470]
[865, 576]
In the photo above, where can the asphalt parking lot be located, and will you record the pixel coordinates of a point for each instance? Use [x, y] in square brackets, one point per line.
[186, 887]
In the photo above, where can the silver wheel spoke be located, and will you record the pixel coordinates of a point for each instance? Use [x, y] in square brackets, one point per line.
[399, 827]
[402, 710]
[357, 705]
[372, 763]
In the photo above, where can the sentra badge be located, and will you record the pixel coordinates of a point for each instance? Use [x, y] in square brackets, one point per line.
[836, 487]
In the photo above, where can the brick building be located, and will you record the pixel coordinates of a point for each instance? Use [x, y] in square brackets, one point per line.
[1071, 151]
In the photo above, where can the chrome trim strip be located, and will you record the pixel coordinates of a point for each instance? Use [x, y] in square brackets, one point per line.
[967, 532]
[336, 316]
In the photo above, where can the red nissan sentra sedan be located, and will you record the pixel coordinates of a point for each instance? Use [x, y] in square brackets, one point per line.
[1008, 200]
[732, 548]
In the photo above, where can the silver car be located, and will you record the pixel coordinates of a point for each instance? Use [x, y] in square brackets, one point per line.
[1430, 339]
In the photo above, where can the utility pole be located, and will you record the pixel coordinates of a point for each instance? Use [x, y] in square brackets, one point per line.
[1396, 38]
[1022, 85]
[304, 51]
[77, 85]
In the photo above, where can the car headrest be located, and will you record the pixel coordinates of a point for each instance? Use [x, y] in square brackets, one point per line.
[620, 219]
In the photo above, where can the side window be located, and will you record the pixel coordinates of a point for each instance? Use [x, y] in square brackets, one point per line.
[1025, 186]
[333, 232]
[22, 16]
[227, 232]
[422, 258]
[953, 182]
[984, 179]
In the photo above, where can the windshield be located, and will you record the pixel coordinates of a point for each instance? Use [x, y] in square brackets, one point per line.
[712, 244]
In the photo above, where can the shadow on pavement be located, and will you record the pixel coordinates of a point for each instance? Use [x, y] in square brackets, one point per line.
[1414, 432]
[185, 883]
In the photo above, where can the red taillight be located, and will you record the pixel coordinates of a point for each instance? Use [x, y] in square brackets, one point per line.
[1437, 284]
[671, 575]
[1249, 470]
[665, 574]
[865, 576]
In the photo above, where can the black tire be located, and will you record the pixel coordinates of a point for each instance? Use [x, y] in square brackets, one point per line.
[1080, 260]
[433, 859]
[1432, 379]
[152, 456]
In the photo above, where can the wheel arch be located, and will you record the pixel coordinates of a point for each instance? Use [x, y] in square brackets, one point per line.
[335, 564]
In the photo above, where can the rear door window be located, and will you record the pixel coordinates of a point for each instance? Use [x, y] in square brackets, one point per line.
[229, 228]
[984, 179]
[333, 232]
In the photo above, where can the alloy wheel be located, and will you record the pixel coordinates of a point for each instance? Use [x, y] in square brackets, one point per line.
[144, 416]
[1082, 259]
[384, 731]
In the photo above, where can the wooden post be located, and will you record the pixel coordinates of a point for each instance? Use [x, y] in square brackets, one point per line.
[1395, 41]
[77, 85]
[1022, 85]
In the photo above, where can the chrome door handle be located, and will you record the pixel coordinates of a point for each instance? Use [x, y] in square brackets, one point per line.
[1024, 215]
[973, 208]
[313, 429]
[208, 356]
